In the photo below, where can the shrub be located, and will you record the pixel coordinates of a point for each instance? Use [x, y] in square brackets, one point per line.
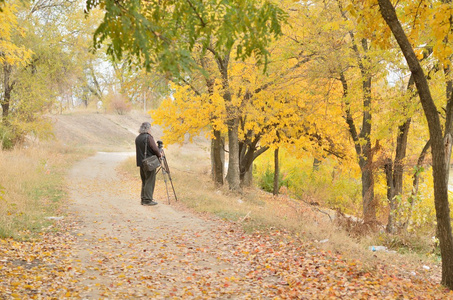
[266, 181]
[6, 138]
[408, 243]
[120, 105]
[328, 184]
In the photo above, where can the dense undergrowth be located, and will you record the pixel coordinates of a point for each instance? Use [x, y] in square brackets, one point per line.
[337, 187]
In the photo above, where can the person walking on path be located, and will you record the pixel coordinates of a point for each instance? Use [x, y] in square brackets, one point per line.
[148, 177]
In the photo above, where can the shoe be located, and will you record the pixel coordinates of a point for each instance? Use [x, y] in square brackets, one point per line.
[151, 203]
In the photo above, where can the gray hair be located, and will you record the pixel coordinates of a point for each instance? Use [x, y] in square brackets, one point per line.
[144, 128]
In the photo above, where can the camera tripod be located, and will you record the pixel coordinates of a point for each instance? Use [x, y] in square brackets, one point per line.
[165, 170]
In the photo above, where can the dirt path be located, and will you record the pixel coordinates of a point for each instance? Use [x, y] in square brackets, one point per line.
[126, 250]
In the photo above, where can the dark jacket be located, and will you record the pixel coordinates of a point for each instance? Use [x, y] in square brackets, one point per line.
[140, 147]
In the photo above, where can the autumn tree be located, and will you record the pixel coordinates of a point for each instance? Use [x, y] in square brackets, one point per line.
[340, 56]
[339, 52]
[151, 32]
[437, 14]
[51, 36]
[274, 109]
[12, 54]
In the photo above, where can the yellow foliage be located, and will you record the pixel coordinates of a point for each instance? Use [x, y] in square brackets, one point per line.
[188, 113]
[12, 54]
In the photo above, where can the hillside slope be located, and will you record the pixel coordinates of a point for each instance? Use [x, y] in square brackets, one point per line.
[102, 132]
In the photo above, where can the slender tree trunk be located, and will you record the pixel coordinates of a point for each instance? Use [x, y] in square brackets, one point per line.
[246, 158]
[217, 143]
[363, 139]
[440, 146]
[363, 151]
[233, 174]
[248, 152]
[388, 169]
[394, 174]
[216, 158]
[247, 179]
[247, 155]
[276, 173]
[8, 85]
[401, 146]
[232, 122]
[369, 206]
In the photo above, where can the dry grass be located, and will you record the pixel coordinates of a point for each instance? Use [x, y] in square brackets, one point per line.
[33, 186]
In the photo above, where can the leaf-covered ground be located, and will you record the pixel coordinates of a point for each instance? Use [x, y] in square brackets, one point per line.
[221, 263]
[111, 247]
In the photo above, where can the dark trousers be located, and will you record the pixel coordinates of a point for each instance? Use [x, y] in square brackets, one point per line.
[148, 183]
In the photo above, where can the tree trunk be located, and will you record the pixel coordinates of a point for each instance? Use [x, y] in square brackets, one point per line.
[369, 206]
[388, 169]
[248, 152]
[247, 179]
[363, 151]
[394, 175]
[400, 154]
[217, 143]
[362, 140]
[233, 174]
[440, 146]
[246, 158]
[8, 85]
[401, 146]
[216, 158]
[276, 173]
[232, 122]
[247, 155]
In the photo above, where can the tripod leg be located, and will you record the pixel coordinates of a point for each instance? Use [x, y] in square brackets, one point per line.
[166, 185]
[174, 193]
[166, 169]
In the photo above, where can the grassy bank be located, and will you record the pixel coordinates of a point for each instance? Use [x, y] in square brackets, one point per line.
[32, 182]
